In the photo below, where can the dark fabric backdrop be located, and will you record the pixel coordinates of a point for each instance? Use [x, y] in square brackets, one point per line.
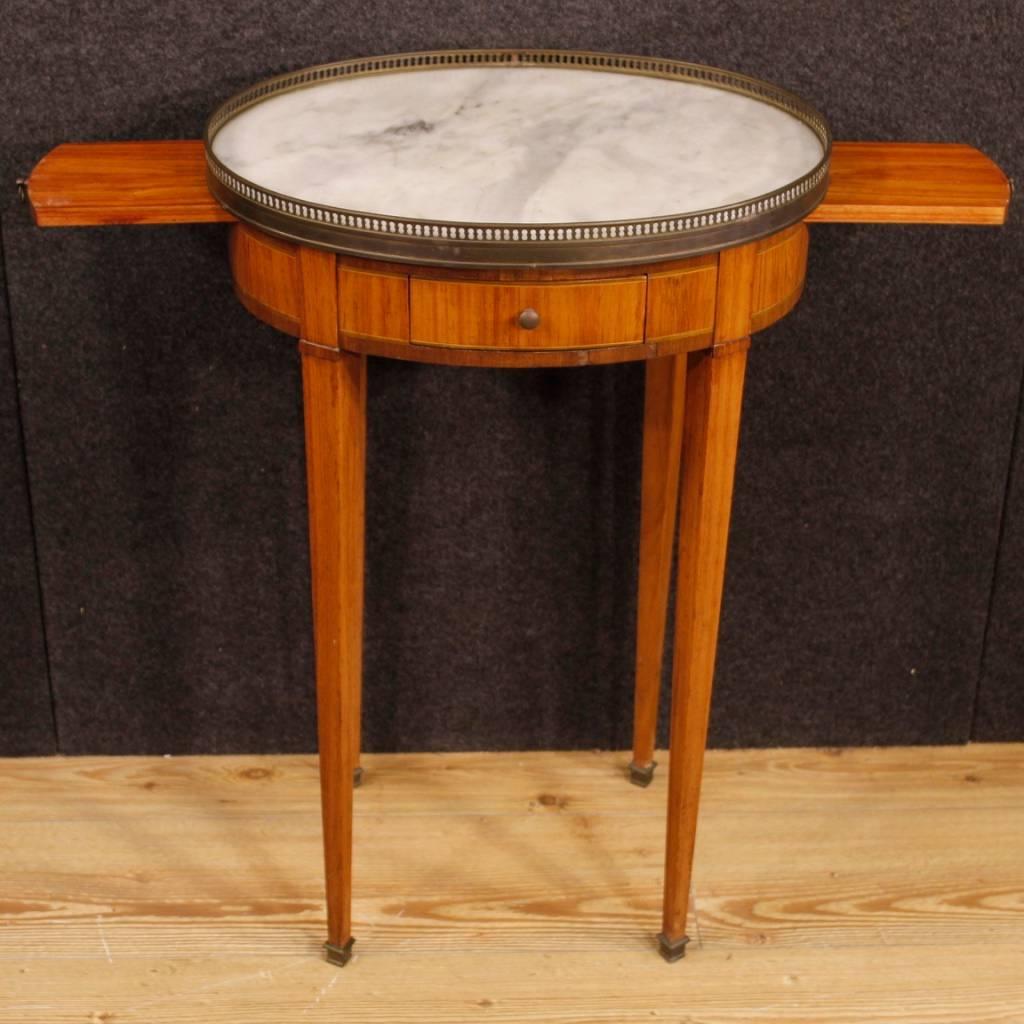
[26, 715]
[1000, 703]
[163, 440]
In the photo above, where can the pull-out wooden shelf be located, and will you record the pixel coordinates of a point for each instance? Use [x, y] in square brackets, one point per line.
[90, 183]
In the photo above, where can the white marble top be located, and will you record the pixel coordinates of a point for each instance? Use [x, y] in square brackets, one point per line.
[517, 145]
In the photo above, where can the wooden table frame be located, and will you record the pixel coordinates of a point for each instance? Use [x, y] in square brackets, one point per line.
[691, 431]
[693, 399]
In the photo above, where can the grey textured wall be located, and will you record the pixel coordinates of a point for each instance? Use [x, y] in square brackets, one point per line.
[164, 448]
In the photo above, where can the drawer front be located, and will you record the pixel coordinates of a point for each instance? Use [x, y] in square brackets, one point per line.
[495, 314]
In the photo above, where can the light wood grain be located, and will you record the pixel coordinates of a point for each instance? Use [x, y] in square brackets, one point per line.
[527, 881]
[372, 304]
[165, 183]
[862, 885]
[664, 401]
[711, 418]
[912, 183]
[682, 302]
[984, 777]
[318, 303]
[866, 986]
[470, 320]
[498, 357]
[780, 268]
[522, 882]
[714, 395]
[334, 404]
[91, 183]
[734, 305]
[372, 301]
[476, 314]
[266, 271]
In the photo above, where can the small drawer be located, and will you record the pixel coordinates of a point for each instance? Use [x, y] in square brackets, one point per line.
[524, 316]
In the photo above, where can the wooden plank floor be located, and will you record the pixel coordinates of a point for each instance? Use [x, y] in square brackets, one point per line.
[835, 886]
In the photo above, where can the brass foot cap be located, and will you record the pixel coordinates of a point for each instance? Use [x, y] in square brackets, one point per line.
[357, 776]
[338, 955]
[641, 774]
[672, 949]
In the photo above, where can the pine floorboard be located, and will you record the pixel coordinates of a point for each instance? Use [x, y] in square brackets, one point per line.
[846, 886]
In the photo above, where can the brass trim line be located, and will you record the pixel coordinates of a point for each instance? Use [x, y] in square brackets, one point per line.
[482, 245]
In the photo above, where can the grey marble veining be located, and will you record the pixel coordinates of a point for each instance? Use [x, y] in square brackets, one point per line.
[517, 145]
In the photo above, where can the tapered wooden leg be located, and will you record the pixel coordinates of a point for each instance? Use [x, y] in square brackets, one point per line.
[664, 393]
[334, 392]
[714, 393]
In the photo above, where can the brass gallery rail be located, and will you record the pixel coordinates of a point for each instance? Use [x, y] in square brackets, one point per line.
[91, 183]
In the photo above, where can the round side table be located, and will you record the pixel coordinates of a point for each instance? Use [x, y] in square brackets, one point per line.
[681, 286]
[524, 208]
[690, 319]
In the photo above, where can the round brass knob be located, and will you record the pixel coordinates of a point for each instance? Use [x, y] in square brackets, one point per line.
[529, 319]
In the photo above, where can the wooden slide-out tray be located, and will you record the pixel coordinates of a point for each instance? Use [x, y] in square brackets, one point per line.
[92, 183]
